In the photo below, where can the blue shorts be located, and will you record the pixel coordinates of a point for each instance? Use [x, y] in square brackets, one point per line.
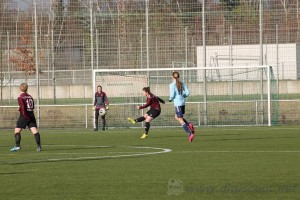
[180, 110]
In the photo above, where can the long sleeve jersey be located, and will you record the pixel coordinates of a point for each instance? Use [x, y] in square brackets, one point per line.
[153, 102]
[100, 99]
[178, 96]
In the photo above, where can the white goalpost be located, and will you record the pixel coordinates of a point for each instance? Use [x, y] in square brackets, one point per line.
[220, 96]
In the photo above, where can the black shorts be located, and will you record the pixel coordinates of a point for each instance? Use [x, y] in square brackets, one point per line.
[153, 113]
[22, 122]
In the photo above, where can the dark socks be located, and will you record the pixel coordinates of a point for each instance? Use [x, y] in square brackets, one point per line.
[140, 119]
[96, 119]
[103, 123]
[18, 139]
[147, 127]
[96, 123]
[187, 123]
[186, 128]
[37, 138]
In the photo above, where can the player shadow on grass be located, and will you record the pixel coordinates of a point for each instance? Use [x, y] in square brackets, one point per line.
[82, 159]
[72, 149]
[13, 173]
[54, 147]
[214, 135]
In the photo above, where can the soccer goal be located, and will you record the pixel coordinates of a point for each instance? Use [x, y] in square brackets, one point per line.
[220, 96]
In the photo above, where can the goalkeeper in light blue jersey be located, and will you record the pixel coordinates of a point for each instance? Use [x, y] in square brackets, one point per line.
[178, 93]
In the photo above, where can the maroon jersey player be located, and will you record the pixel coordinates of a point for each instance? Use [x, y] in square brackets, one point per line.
[26, 118]
[155, 110]
[100, 101]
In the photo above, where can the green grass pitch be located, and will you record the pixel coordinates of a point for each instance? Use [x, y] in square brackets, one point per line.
[221, 163]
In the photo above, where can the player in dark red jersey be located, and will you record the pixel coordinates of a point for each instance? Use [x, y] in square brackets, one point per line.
[153, 103]
[26, 118]
[100, 101]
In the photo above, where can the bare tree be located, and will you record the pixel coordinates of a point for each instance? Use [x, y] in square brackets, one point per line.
[288, 5]
[2, 20]
[23, 56]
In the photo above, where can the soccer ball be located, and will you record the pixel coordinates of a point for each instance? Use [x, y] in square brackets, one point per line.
[102, 112]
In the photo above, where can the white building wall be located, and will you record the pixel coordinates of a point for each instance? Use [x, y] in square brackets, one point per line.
[214, 88]
[287, 65]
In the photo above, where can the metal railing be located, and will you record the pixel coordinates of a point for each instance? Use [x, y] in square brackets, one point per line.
[221, 113]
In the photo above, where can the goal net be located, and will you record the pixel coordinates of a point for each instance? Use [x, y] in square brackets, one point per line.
[220, 96]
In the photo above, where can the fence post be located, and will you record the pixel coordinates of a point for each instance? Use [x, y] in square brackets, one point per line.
[256, 112]
[86, 116]
[199, 115]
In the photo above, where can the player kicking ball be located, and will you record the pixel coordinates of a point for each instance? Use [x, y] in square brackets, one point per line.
[155, 110]
[26, 119]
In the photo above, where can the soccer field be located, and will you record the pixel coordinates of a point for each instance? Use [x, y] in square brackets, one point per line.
[221, 163]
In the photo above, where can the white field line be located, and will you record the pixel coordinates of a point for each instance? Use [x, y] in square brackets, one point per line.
[253, 128]
[115, 156]
[126, 154]
[236, 152]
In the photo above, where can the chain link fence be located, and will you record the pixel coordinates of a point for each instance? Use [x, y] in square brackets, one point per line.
[54, 44]
[97, 34]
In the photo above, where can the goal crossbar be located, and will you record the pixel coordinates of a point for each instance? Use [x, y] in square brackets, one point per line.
[235, 88]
